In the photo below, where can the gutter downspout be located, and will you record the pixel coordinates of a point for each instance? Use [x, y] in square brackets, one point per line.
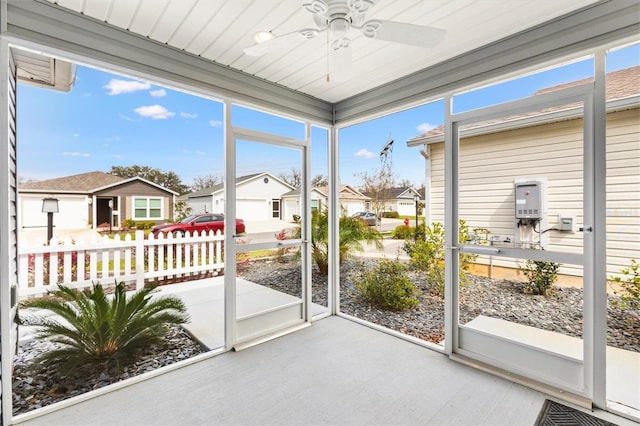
[426, 153]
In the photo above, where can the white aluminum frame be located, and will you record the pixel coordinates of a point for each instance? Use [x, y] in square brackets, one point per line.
[232, 136]
[574, 376]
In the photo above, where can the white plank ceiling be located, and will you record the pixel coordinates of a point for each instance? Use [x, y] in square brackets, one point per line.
[219, 30]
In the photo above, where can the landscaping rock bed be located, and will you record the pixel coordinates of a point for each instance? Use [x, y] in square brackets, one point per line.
[561, 311]
[34, 387]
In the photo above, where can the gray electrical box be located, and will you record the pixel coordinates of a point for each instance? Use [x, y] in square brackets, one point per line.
[528, 200]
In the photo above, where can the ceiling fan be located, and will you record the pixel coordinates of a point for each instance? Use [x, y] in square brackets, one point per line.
[338, 17]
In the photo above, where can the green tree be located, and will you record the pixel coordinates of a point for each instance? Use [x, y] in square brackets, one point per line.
[169, 180]
[96, 328]
[353, 232]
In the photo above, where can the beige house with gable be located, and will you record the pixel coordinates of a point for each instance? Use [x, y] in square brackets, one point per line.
[491, 160]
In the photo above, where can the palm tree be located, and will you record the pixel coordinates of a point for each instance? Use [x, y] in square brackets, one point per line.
[96, 328]
[353, 231]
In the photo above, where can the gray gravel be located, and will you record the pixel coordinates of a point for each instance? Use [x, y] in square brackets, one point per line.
[561, 311]
[34, 387]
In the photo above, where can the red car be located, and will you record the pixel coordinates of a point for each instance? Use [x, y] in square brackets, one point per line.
[197, 223]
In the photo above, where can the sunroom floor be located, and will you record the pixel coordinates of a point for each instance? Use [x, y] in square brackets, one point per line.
[334, 372]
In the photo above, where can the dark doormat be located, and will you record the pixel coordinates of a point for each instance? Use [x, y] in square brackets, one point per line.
[553, 413]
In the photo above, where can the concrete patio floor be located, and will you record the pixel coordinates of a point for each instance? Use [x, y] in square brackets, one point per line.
[205, 302]
[335, 372]
[365, 355]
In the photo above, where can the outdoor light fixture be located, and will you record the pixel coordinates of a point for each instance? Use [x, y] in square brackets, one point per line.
[262, 36]
[49, 206]
[110, 216]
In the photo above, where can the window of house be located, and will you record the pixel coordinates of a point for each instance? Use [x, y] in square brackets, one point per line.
[147, 208]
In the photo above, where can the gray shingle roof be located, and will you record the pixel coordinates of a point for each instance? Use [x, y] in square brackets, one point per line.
[620, 84]
[84, 182]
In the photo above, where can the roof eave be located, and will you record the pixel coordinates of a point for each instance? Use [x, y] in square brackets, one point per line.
[567, 114]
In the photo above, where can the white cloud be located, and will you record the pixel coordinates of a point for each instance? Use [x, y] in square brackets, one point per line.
[118, 87]
[127, 118]
[116, 156]
[76, 135]
[112, 138]
[188, 115]
[215, 123]
[155, 112]
[158, 93]
[201, 153]
[364, 153]
[76, 154]
[425, 127]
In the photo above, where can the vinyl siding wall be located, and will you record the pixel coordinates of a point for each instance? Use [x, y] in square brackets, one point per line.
[489, 163]
[623, 189]
[128, 191]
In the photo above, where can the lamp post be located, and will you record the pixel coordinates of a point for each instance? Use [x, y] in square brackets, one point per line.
[110, 215]
[416, 198]
[49, 206]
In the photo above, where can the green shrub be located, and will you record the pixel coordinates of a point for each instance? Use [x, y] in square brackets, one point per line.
[387, 286]
[629, 286]
[427, 255]
[541, 275]
[128, 224]
[145, 224]
[390, 215]
[402, 232]
[97, 329]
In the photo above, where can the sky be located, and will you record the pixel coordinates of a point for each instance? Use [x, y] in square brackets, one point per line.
[111, 120]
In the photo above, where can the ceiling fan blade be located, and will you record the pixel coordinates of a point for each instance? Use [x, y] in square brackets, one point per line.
[340, 60]
[399, 32]
[280, 43]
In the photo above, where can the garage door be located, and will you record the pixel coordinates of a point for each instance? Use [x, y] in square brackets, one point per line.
[72, 213]
[253, 209]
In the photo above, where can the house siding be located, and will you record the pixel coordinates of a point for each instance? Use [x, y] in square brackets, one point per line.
[127, 191]
[623, 189]
[489, 163]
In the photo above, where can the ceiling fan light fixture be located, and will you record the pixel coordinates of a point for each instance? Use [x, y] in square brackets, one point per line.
[262, 36]
[339, 27]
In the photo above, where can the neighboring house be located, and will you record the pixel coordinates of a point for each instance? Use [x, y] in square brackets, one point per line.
[401, 200]
[88, 200]
[351, 200]
[552, 144]
[258, 197]
[291, 202]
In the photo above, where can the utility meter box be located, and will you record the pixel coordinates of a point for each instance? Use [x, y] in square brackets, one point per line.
[566, 222]
[528, 200]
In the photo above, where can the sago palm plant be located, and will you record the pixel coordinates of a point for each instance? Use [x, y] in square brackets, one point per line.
[95, 327]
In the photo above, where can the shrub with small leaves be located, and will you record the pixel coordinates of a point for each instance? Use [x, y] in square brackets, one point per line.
[402, 232]
[541, 275]
[387, 286]
[427, 255]
[629, 286]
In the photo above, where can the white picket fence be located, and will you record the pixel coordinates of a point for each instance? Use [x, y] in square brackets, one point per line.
[78, 264]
